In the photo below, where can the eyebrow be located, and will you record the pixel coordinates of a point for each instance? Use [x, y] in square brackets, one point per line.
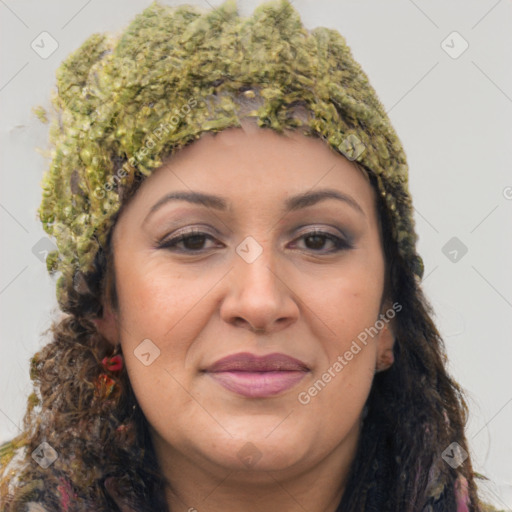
[291, 204]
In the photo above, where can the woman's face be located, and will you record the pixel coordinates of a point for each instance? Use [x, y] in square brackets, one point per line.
[257, 280]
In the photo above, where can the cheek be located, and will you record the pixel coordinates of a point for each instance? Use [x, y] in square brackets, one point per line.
[153, 297]
[160, 306]
[349, 306]
[160, 303]
[342, 380]
[351, 312]
[351, 300]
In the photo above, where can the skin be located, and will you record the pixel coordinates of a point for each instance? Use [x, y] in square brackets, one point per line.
[295, 298]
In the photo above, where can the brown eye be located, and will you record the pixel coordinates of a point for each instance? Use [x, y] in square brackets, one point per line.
[192, 241]
[316, 240]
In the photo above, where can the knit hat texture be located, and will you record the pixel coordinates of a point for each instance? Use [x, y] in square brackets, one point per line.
[125, 102]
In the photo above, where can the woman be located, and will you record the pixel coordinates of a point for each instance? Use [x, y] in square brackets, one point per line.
[215, 354]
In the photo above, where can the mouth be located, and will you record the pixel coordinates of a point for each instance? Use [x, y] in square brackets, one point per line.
[255, 376]
[258, 384]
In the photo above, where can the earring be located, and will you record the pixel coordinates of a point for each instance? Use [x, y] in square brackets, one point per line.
[114, 363]
[105, 384]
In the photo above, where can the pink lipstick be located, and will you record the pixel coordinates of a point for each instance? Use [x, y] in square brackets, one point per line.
[257, 377]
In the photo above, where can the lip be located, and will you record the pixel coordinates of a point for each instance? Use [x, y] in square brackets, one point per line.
[247, 362]
[258, 376]
[258, 384]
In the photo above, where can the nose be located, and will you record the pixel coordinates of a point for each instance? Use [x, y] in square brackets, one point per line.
[258, 297]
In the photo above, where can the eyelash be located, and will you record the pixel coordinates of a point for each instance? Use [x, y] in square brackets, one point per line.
[171, 244]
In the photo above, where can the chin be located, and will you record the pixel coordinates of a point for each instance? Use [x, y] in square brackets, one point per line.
[262, 452]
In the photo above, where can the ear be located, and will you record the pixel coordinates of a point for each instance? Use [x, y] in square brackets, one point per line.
[385, 339]
[108, 325]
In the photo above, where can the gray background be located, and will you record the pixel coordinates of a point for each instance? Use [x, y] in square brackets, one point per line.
[452, 115]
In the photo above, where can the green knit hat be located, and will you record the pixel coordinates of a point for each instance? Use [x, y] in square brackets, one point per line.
[125, 103]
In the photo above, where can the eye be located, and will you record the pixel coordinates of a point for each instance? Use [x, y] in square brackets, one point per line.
[318, 238]
[192, 240]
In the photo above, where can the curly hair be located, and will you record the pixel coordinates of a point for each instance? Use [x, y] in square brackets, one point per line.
[89, 415]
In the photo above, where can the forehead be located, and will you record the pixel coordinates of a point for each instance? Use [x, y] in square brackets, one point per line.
[255, 168]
